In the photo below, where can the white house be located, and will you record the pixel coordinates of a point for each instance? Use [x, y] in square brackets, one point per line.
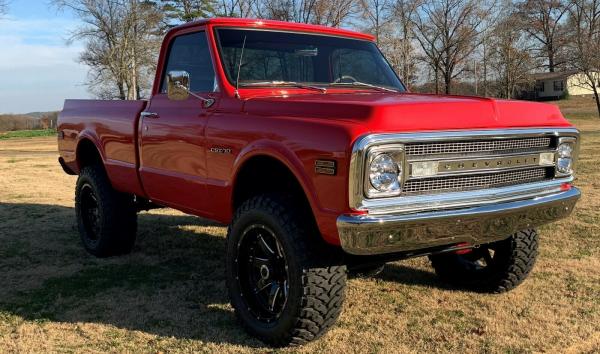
[555, 85]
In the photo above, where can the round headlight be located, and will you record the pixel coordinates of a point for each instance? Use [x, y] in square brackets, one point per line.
[565, 150]
[383, 173]
[564, 165]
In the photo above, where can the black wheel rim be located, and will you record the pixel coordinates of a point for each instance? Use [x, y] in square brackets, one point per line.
[479, 258]
[90, 213]
[262, 272]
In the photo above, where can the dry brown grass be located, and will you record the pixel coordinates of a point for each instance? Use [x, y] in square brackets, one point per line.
[169, 295]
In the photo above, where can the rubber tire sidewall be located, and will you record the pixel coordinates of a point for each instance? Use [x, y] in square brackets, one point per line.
[118, 218]
[287, 321]
[516, 258]
[317, 274]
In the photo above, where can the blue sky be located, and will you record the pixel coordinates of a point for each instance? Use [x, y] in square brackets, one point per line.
[38, 70]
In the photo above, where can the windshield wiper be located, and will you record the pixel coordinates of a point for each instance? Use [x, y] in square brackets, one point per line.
[285, 83]
[363, 84]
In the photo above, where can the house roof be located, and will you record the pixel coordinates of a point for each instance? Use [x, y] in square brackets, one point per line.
[554, 75]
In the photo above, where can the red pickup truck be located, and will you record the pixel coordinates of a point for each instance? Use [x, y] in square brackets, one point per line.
[306, 143]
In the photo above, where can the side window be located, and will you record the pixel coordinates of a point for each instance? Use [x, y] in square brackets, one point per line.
[190, 53]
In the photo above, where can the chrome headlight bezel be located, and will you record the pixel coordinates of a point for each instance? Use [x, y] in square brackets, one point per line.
[566, 157]
[396, 153]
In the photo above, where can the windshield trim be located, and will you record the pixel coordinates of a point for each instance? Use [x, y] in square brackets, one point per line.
[321, 85]
[232, 82]
[276, 83]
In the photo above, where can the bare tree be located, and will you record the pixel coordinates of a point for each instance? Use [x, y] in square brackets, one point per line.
[289, 10]
[482, 71]
[9, 122]
[333, 12]
[497, 11]
[238, 8]
[542, 20]
[509, 56]
[396, 40]
[121, 40]
[377, 13]
[400, 54]
[448, 33]
[141, 40]
[188, 10]
[584, 44]
[101, 34]
[322, 12]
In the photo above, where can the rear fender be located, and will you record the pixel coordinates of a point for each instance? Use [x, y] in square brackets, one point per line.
[87, 135]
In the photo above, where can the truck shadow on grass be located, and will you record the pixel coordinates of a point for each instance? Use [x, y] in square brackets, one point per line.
[172, 285]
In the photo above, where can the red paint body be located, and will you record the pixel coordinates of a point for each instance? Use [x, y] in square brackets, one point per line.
[169, 161]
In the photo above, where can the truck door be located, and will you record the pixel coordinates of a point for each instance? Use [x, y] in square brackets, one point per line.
[172, 140]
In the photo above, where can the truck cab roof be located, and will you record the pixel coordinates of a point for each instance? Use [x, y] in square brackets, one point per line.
[272, 24]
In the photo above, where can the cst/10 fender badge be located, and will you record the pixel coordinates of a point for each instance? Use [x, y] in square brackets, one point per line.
[220, 150]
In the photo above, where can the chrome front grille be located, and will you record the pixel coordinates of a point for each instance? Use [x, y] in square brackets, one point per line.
[463, 163]
[471, 182]
[484, 146]
[437, 167]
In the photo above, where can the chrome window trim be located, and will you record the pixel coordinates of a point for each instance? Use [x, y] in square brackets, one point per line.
[358, 200]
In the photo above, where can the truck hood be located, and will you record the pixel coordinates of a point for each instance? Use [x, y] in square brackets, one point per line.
[393, 112]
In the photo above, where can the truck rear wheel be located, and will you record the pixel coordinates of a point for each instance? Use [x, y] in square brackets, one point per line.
[286, 285]
[106, 219]
[497, 267]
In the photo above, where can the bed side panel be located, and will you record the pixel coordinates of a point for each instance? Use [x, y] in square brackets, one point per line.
[113, 127]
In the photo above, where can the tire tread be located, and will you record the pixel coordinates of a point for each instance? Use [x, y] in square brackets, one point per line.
[324, 276]
[119, 216]
[521, 251]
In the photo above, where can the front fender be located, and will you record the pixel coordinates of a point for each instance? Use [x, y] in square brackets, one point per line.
[284, 155]
[325, 218]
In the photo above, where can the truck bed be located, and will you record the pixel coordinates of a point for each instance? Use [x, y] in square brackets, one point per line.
[112, 126]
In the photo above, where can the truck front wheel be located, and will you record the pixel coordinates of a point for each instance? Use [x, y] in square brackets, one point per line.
[496, 267]
[286, 285]
[106, 219]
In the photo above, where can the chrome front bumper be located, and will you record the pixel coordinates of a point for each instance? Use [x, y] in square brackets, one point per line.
[389, 233]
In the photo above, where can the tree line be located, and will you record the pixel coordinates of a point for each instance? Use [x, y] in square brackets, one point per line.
[9, 122]
[482, 47]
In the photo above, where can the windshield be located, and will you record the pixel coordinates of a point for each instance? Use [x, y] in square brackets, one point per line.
[279, 58]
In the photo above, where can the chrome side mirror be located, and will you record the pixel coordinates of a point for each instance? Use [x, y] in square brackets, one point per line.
[178, 85]
[178, 88]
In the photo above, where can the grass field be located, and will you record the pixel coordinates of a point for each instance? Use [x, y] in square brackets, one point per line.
[27, 133]
[169, 295]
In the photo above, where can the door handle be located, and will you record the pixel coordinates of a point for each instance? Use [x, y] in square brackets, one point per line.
[150, 115]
